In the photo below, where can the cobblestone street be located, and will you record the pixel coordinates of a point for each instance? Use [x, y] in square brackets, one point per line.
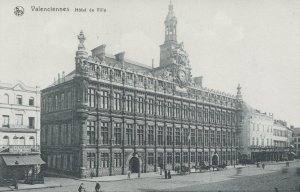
[250, 179]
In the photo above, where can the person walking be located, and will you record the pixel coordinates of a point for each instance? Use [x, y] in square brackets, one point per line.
[263, 166]
[169, 174]
[166, 174]
[81, 188]
[98, 187]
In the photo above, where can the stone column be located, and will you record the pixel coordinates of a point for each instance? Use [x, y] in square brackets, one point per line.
[82, 127]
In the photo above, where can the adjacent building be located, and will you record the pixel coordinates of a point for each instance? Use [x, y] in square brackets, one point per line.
[19, 131]
[111, 114]
[262, 137]
[296, 140]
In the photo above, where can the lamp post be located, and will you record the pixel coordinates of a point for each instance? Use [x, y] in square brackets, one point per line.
[15, 182]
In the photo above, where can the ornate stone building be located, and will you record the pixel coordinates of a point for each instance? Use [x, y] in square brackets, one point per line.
[111, 115]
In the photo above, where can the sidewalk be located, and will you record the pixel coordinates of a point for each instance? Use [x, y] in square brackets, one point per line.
[23, 186]
[125, 177]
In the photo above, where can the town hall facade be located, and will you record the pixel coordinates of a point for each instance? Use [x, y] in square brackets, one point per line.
[111, 115]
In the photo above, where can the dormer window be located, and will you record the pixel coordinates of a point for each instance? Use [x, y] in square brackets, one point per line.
[19, 100]
[31, 101]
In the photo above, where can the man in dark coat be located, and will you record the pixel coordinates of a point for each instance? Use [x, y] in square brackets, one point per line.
[169, 174]
[166, 174]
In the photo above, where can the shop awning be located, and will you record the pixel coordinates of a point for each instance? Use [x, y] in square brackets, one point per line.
[293, 153]
[23, 160]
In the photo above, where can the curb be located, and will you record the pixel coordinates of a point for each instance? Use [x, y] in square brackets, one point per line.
[11, 189]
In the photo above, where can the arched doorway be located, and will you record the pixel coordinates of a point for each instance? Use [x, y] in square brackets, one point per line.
[134, 165]
[215, 159]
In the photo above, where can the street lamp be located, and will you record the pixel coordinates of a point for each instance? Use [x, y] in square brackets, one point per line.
[15, 182]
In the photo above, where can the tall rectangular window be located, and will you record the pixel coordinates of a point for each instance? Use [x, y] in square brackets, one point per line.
[205, 138]
[5, 121]
[169, 109]
[177, 136]
[200, 137]
[105, 159]
[212, 137]
[129, 134]
[31, 101]
[129, 103]
[205, 115]
[117, 132]
[177, 110]
[169, 136]
[117, 101]
[185, 157]
[140, 135]
[193, 157]
[140, 107]
[150, 159]
[91, 97]
[151, 135]
[31, 122]
[151, 107]
[160, 137]
[19, 100]
[169, 158]
[193, 137]
[185, 112]
[19, 119]
[104, 99]
[117, 160]
[91, 160]
[193, 112]
[218, 138]
[185, 136]
[199, 114]
[177, 157]
[224, 141]
[104, 133]
[160, 107]
[200, 158]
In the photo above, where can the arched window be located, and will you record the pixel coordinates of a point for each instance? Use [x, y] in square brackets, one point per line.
[6, 98]
[15, 140]
[22, 141]
[31, 101]
[31, 140]
[5, 140]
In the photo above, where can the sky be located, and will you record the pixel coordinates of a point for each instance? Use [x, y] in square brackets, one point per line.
[252, 43]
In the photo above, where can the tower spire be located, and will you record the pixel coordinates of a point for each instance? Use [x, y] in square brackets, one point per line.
[170, 25]
[239, 93]
[81, 52]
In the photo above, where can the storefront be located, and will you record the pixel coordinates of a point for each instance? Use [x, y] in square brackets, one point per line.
[23, 168]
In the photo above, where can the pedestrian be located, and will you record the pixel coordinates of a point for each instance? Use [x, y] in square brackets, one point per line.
[263, 166]
[166, 174]
[169, 174]
[238, 170]
[98, 187]
[128, 174]
[81, 188]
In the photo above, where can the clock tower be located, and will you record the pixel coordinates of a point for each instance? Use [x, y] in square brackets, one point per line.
[173, 57]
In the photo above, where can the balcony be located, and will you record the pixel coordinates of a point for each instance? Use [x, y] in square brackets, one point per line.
[19, 149]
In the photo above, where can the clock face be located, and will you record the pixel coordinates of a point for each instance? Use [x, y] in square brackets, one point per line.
[182, 76]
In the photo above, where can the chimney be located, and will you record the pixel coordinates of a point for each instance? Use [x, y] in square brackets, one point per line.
[99, 52]
[63, 76]
[58, 78]
[198, 81]
[152, 63]
[120, 57]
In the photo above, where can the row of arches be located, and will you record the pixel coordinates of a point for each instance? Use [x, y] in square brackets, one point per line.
[18, 140]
